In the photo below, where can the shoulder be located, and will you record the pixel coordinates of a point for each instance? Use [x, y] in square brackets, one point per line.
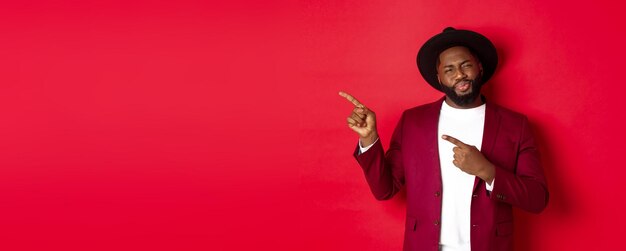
[432, 108]
[504, 111]
[507, 118]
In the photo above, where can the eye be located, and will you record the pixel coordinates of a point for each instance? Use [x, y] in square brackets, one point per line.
[467, 65]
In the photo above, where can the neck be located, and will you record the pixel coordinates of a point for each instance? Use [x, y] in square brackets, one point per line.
[476, 103]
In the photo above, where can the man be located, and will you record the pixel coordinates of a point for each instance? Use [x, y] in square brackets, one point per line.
[465, 161]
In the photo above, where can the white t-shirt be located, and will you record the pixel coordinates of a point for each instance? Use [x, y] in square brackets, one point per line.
[466, 125]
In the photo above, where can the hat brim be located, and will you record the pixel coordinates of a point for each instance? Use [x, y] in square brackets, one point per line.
[477, 43]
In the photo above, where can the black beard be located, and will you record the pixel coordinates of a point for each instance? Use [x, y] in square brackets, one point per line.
[464, 100]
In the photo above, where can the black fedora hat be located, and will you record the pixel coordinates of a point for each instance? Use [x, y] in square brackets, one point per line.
[450, 37]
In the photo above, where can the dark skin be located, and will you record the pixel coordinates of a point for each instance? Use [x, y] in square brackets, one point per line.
[457, 66]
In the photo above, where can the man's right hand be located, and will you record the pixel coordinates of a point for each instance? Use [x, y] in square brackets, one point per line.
[362, 120]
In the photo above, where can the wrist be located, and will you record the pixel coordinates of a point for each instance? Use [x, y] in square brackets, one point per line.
[370, 139]
[489, 173]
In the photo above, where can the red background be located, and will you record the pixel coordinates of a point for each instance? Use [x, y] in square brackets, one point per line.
[190, 125]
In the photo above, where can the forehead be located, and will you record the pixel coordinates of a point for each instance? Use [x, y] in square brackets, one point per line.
[455, 54]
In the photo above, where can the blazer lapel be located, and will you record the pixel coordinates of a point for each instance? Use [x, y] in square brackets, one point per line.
[490, 133]
[432, 143]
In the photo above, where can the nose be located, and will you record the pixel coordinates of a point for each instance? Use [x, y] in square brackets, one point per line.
[460, 74]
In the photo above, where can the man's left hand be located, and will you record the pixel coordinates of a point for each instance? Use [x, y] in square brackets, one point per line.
[470, 160]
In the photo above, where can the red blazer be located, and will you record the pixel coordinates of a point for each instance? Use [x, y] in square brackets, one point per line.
[413, 160]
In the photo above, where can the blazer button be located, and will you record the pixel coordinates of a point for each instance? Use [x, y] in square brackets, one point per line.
[474, 195]
[437, 194]
[436, 222]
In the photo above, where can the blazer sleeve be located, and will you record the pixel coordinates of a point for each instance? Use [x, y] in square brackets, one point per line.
[384, 172]
[526, 187]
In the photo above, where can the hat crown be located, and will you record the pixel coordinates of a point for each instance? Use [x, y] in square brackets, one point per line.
[447, 29]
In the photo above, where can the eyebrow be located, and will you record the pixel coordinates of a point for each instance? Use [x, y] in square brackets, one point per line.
[465, 61]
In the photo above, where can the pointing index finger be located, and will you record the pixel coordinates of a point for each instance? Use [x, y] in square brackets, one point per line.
[454, 141]
[353, 100]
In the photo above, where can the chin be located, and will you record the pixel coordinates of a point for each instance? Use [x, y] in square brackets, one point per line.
[464, 94]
